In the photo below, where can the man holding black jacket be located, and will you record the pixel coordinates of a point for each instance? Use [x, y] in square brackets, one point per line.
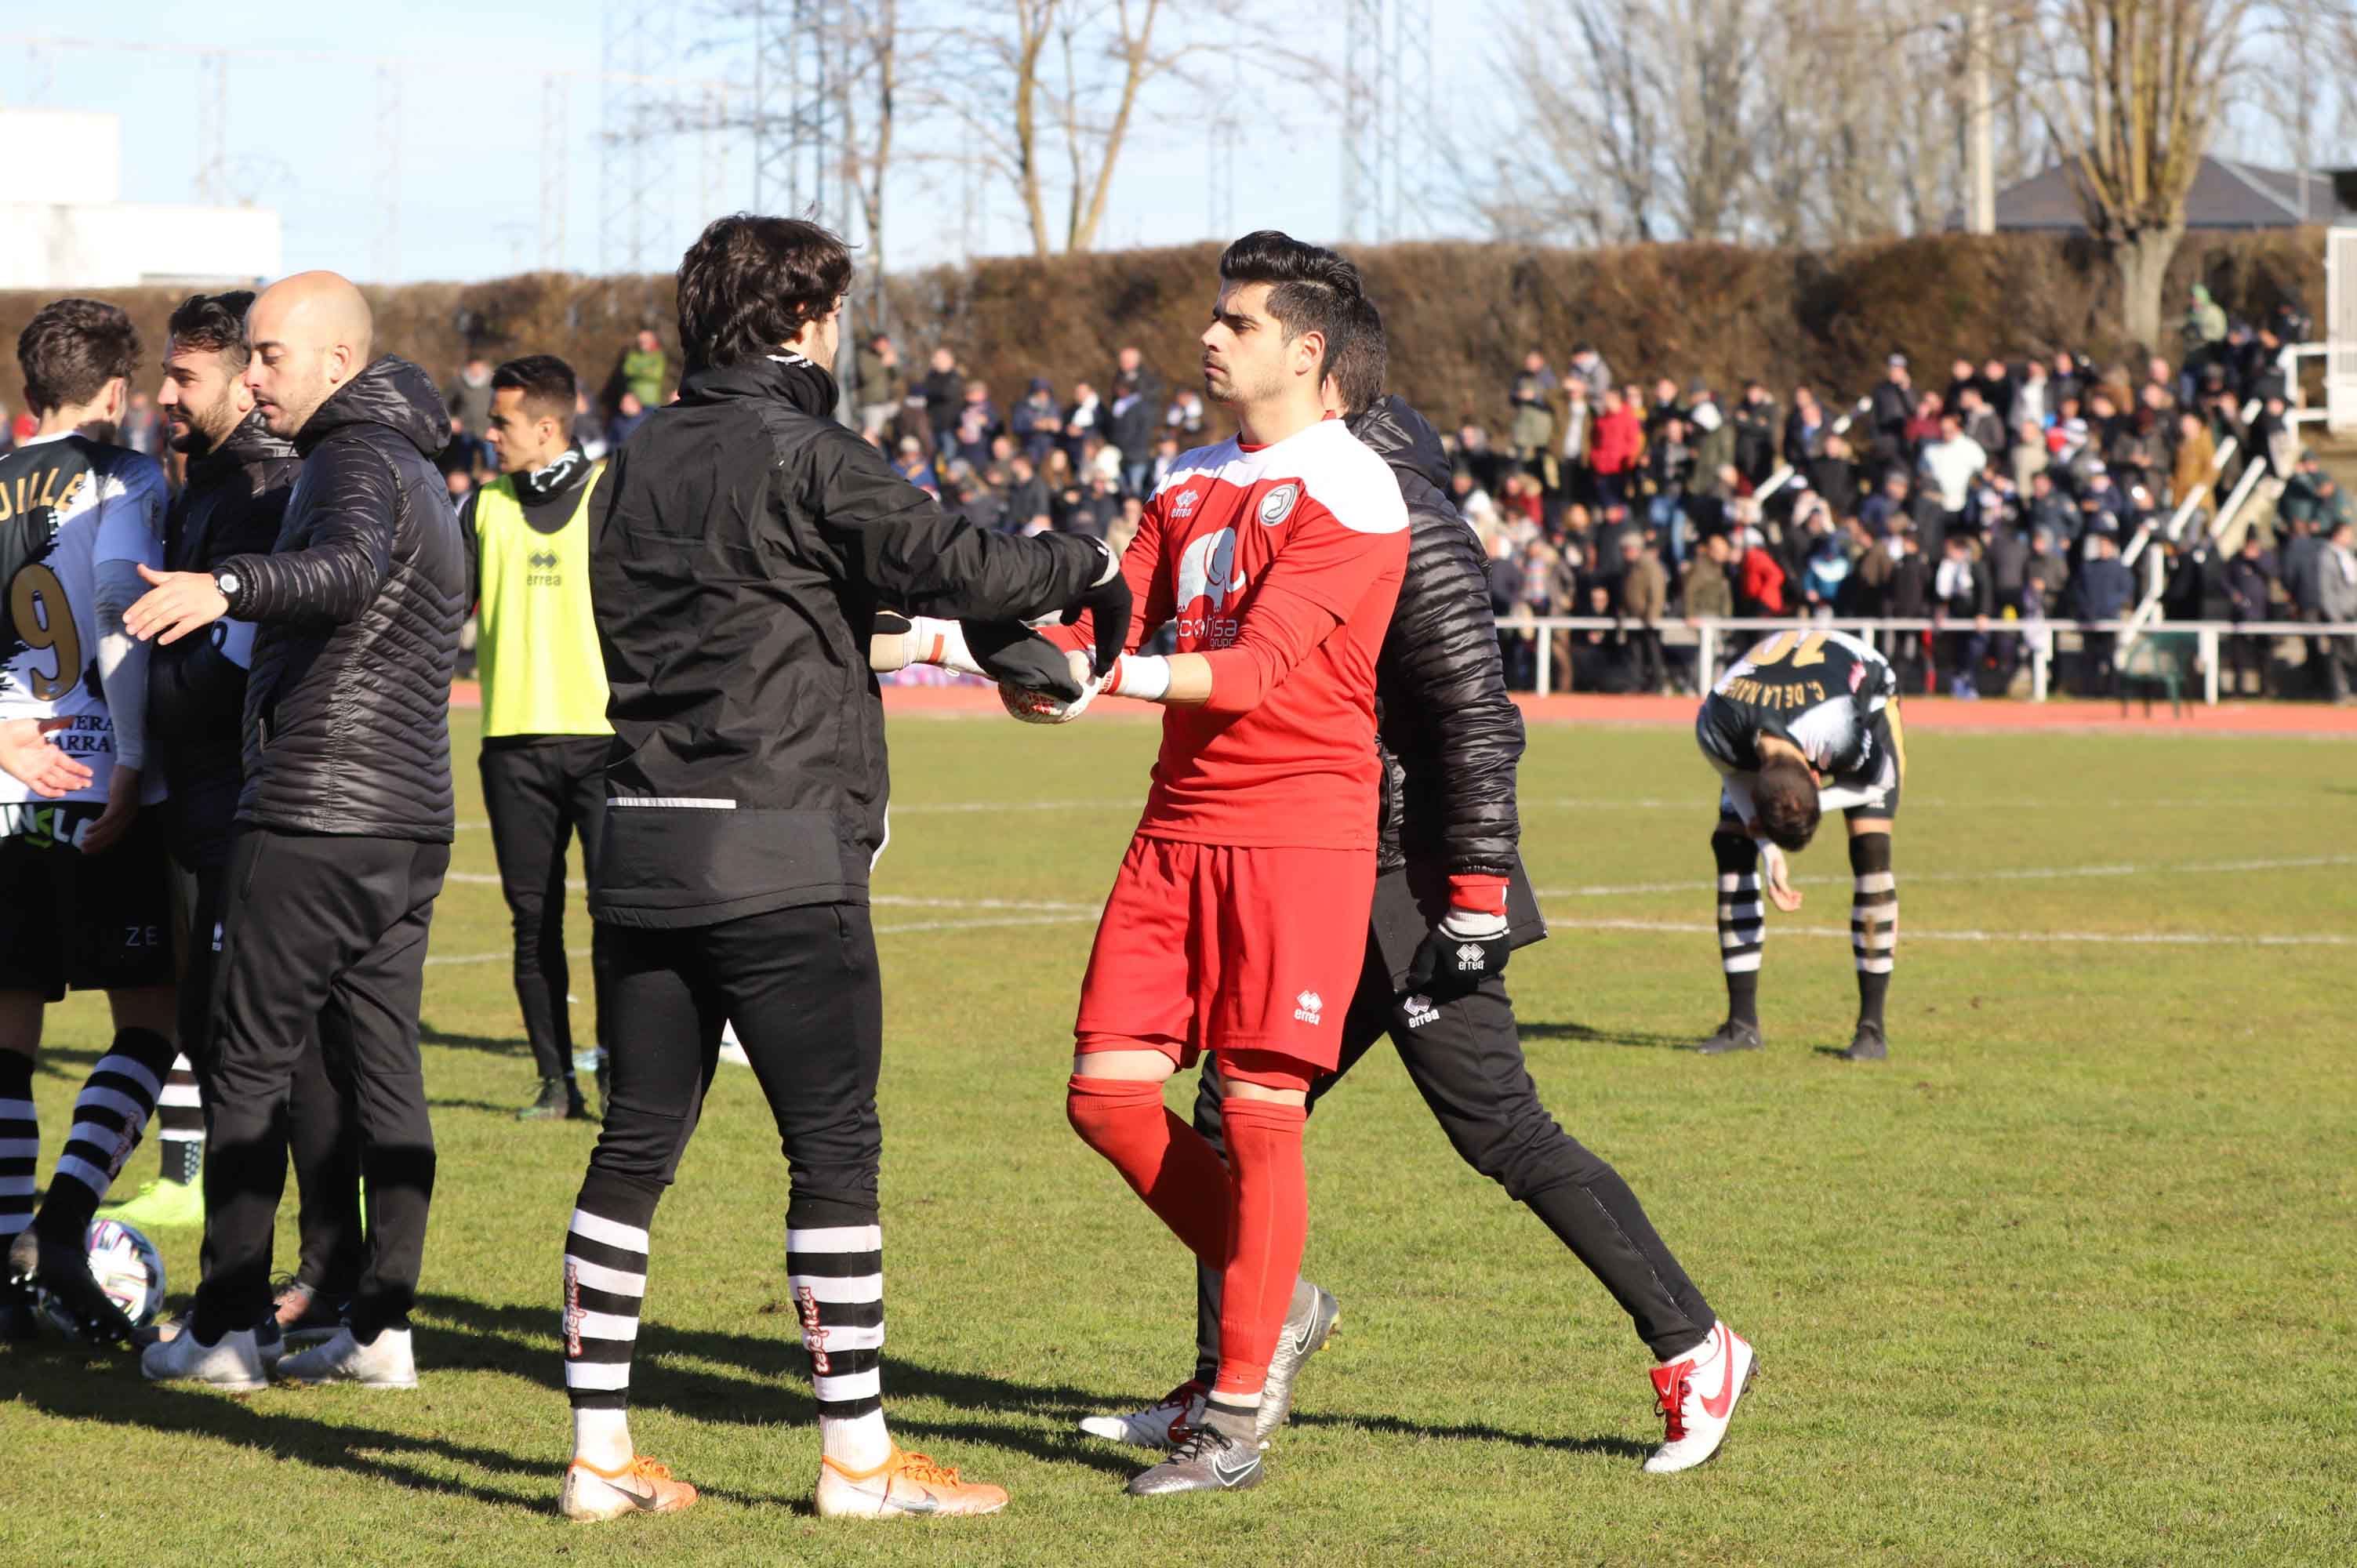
[741, 543]
[1451, 902]
[345, 819]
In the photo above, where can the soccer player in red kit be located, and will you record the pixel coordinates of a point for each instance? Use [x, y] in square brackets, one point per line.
[1242, 905]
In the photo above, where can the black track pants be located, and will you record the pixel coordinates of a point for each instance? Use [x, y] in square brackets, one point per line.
[1464, 1057]
[540, 793]
[802, 987]
[327, 932]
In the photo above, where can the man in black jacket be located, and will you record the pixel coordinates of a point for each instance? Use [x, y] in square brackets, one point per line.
[738, 540]
[232, 503]
[345, 818]
[1451, 902]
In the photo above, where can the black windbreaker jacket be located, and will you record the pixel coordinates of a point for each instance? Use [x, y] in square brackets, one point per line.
[233, 504]
[740, 545]
[357, 608]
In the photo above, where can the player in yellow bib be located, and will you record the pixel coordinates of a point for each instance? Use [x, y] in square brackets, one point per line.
[544, 729]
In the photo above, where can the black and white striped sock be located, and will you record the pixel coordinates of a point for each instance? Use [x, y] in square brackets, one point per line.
[109, 1115]
[605, 1286]
[1742, 923]
[180, 1123]
[836, 1275]
[20, 1145]
[1873, 921]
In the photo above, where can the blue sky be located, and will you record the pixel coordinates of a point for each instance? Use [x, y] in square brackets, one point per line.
[304, 137]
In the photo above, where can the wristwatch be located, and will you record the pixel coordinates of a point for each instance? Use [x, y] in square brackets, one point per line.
[229, 582]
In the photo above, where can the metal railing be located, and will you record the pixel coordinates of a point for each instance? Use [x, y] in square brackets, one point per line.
[1705, 634]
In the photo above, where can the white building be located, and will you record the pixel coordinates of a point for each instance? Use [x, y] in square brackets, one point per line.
[64, 225]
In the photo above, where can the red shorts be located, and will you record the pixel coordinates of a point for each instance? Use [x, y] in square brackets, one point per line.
[1209, 948]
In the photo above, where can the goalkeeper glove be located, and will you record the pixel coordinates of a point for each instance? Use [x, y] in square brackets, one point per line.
[1470, 943]
[1014, 655]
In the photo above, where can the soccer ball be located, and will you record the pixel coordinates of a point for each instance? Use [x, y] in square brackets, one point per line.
[1042, 707]
[127, 1268]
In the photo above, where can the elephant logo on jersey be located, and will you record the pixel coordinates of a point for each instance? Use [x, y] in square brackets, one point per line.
[1204, 569]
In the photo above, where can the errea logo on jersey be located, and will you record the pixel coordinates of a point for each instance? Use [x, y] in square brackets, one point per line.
[1277, 505]
[1312, 1006]
[1184, 505]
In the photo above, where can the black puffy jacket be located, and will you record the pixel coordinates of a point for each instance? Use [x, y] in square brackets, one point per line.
[1451, 738]
[347, 710]
[738, 548]
[233, 504]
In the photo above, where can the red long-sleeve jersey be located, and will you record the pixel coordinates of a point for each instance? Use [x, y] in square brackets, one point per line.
[1280, 565]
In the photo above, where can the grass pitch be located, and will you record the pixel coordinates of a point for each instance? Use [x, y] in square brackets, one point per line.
[2066, 1282]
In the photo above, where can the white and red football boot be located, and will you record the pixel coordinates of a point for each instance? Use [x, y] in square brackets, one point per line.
[1697, 1394]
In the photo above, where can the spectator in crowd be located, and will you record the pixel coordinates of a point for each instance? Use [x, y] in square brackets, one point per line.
[1806, 429]
[1884, 513]
[1952, 462]
[1760, 579]
[1670, 469]
[1755, 434]
[1137, 410]
[1035, 423]
[589, 430]
[1979, 421]
[1613, 451]
[629, 414]
[977, 424]
[2337, 604]
[1084, 422]
[1707, 592]
[645, 369]
[1531, 399]
[1891, 406]
[1185, 417]
[1588, 369]
[469, 400]
[1573, 476]
[1600, 659]
[2107, 589]
[2250, 598]
[1166, 459]
[2196, 468]
[2205, 322]
[882, 387]
[2033, 399]
[944, 390]
[1962, 593]
[1644, 600]
[914, 464]
[1908, 597]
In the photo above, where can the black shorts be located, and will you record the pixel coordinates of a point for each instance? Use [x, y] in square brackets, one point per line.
[86, 922]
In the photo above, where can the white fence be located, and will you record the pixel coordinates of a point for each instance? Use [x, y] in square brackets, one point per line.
[1713, 637]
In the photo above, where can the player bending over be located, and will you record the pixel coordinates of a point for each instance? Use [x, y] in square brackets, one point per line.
[1242, 905]
[1807, 722]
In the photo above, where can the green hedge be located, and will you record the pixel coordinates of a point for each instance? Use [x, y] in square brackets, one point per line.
[1460, 314]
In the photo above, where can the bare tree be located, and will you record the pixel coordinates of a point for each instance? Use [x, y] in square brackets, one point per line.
[2132, 91]
[1048, 92]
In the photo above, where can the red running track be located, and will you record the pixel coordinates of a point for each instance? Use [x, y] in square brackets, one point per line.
[1922, 712]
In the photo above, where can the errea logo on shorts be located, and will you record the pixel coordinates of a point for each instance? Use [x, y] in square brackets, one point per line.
[1420, 1011]
[1312, 1006]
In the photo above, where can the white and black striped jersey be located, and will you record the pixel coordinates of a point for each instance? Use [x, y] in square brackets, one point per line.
[1822, 691]
[67, 504]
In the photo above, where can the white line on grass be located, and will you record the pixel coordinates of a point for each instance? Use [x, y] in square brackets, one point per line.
[2014, 874]
[1912, 933]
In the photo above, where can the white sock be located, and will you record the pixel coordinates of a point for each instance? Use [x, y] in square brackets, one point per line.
[603, 1437]
[856, 1442]
[1702, 1355]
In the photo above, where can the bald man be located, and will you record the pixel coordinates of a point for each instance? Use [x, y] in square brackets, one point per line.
[343, 826]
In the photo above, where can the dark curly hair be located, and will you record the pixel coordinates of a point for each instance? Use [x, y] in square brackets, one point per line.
[1359, 362]
[214, 324]
[749, 284]
[1312, 289]
[1787, 798]
[71, 349]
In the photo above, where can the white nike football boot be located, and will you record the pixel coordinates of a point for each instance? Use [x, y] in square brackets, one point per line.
[590, 1494]
[1160, 1426]
[1697, 1394]
[233, 1362]
[388, 1363]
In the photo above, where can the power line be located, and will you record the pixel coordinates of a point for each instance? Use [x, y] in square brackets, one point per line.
[213, 130]
[1387, 114]
[638, 44]
[387, 256]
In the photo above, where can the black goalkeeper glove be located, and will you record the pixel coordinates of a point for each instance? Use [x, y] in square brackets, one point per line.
[1467, 948]
[1011, 653]
[1106, 601]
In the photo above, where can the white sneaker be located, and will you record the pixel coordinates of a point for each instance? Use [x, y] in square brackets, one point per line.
[732, 1049]
[234, 1363]
[1160, 1426]
[1697, 1399]
[386, 1364]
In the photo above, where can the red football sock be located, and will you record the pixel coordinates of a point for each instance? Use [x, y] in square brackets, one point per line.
[1165, 1161]
[1270, 1222]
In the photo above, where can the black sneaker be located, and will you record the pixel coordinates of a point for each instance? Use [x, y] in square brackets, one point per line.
[1208, 1461]
[19, 1323]
[1868, 1046]
[1731, 1037]
[306, 1315]
[1309, 1322]
[64, 1274]
[560, 1101]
